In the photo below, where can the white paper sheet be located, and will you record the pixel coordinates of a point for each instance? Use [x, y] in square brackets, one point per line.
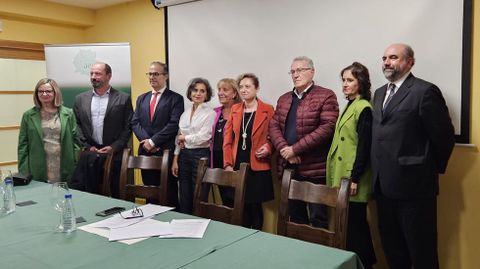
[117, 221]
[105, 232]
[187, 228]
[146, 228]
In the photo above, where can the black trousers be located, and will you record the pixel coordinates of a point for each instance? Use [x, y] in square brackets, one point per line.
[359, 239]
[187, 175]
[316, 214]
[115, 177]
[408, 231]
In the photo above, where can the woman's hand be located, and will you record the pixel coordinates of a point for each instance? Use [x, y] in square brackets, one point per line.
[228, 168]
[175, 166]
[353, 189]
[181, 140]
[262, 152]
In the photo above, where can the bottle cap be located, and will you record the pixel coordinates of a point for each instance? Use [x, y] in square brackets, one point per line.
[68, 195]
[8, 181]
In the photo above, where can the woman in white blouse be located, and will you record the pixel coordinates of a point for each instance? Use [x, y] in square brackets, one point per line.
[193, 140]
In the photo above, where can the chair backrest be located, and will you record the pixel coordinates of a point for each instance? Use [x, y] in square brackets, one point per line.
[102, 186]
[235, 179]
[337, 198]
[107, 167]
[130, 191]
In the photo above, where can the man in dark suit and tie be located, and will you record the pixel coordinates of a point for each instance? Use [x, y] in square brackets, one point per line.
[412, 139]
[155, 123]
[103, 117]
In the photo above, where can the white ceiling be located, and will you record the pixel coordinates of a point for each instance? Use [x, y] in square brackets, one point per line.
[91, 4]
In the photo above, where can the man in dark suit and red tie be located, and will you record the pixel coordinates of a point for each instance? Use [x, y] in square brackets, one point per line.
[155, 123]
[412, 139]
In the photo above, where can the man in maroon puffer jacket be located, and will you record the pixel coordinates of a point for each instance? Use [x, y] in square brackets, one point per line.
[302, 130]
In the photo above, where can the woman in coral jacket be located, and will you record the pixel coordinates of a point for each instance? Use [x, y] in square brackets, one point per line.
[245, 140]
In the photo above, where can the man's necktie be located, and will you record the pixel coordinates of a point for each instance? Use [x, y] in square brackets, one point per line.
[152, 105]
[390, 95]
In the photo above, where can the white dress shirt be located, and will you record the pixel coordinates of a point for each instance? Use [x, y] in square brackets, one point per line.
[300, 95]
[155, 107]
[98, 109]
[158, 96]
[198, 131]
[398, 83]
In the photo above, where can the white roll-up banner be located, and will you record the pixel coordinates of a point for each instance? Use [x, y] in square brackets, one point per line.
[69, 65]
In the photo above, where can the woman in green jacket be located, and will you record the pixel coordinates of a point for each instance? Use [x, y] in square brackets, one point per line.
[48, 145]
[349, 156]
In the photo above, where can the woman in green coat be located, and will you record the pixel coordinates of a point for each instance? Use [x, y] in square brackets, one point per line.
[48, 145]
[349, 156]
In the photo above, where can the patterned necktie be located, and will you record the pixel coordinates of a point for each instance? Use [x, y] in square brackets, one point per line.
[390, 95]
[152, 105]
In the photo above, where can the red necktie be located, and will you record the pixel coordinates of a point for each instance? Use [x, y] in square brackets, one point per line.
[152, 105]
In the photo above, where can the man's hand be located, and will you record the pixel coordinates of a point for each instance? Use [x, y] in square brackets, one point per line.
[287, 152]
[294, 160]
[106, 149]
[146, 145]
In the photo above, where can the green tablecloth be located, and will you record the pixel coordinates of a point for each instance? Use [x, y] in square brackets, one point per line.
[27, 239]
[263, 250]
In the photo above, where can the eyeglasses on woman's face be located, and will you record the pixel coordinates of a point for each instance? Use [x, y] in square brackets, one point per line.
[47, 92]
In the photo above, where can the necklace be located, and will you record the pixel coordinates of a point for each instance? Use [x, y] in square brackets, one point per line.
[220, 124]
[244, 129]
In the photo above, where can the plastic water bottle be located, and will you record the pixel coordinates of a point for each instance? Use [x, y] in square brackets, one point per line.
[69, 223]
[9, 200]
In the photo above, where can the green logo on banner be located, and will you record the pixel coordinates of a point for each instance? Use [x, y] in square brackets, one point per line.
[83, 61]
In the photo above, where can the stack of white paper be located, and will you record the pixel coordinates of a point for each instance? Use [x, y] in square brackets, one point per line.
[146, 228]
[105, 232]
[130, 231]
[117, 228]
[118, 221]
[187, 228]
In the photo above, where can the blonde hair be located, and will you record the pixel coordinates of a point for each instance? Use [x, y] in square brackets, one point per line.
[57, 101]
[233, 84]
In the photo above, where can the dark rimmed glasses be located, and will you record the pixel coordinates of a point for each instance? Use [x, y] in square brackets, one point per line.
[134, 213]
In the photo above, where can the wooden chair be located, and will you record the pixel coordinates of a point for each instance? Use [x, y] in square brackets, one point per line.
[105, 188]
[205, 178]
[337, 198]
[129, 191]
[102, 186]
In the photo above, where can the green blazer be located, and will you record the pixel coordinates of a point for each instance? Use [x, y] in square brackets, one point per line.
[31, 154]
[343, 151]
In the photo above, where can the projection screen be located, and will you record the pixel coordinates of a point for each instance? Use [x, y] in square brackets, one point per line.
[224, 38]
